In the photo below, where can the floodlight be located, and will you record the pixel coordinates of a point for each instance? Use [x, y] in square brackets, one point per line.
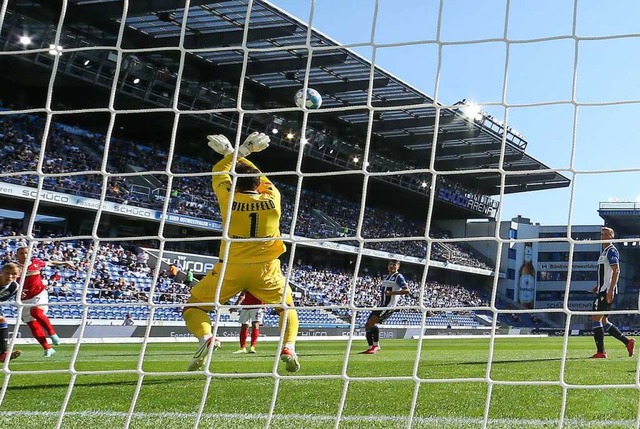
[55, 50]
[472, 111]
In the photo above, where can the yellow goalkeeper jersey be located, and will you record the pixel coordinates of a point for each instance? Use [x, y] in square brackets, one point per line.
[253, 215]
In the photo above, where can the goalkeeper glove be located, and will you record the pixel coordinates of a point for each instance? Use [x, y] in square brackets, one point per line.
[220, 144]
[256, 142]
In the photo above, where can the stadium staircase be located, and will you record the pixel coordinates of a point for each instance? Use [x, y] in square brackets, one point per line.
[328, 220]
[146, 180]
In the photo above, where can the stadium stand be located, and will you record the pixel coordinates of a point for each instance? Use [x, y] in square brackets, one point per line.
[120, 285]
[333, 288]
[67, 152]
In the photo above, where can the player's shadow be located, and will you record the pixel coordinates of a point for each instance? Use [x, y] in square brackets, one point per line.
[500, 361]
[154, 353]
[146, 382]
[317, 354]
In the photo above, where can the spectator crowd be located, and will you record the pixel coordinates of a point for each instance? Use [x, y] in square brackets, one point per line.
[70, 167]
[120, 273]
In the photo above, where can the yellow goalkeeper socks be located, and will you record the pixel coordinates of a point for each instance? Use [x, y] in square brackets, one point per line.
[291, 331]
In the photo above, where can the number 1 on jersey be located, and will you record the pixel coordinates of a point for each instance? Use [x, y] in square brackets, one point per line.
[253, 228]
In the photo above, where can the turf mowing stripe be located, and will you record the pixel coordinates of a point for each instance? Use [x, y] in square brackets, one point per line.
[436, 421]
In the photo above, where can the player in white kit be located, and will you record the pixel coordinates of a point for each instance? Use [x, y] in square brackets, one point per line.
[605, 290]
[393, 286]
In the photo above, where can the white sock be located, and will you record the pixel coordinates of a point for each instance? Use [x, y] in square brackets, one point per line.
[205, 338]
[290, 346]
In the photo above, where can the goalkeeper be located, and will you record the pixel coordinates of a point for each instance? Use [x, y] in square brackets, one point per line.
[251, 265]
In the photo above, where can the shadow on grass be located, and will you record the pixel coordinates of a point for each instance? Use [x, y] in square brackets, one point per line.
[132, 382]
[510, 361]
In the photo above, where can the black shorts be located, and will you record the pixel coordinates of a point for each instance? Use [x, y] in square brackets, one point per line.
[382, 314]
[600, 303]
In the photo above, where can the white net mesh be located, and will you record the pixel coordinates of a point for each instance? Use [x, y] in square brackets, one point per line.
[103, 163]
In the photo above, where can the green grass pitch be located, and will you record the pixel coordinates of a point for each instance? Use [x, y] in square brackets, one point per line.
[445, 386]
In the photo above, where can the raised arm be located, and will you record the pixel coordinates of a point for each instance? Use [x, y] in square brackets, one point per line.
[256, 142]
[222, 179]
[68, 264]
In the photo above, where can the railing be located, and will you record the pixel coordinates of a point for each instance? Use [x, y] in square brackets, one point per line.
[141, 190]
[623, 205]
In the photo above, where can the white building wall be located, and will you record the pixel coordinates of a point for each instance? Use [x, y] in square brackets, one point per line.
[525, 231]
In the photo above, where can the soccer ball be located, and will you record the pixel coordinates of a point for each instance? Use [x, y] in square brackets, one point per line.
[314, 99]
[217, 344]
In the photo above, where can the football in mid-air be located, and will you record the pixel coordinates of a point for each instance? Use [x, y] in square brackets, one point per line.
[314, 99]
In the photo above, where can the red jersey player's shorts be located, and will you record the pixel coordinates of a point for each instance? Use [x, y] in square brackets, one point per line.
[40, 300]
[250, 315]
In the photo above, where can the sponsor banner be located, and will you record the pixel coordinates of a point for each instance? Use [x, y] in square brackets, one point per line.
[107, 206]
[139, 331]
[98, 331]
[476, 203]
[191, 221]
[31, 194]
[127, 210]
[200, 264]
[272, 331]
[573, 305]
[525, 291]
[564, 266]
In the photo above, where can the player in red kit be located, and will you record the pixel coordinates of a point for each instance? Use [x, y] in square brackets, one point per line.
[35, 292]
[255, 316]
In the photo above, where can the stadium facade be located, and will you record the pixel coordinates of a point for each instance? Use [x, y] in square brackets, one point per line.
[538, 268]
[408, 126]
[551, 264]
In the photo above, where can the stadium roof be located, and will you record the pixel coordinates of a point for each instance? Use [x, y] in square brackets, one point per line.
[277, 57]
[623, 217]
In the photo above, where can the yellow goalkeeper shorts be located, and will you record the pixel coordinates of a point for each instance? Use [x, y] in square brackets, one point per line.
[263, 279]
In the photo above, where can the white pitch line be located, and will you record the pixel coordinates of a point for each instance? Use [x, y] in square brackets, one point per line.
[450, 421]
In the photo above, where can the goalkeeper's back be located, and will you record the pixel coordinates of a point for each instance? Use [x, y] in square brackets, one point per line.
[255, 213]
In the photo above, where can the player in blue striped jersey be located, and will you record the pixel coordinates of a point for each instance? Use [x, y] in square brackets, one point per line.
[393, 286]
[605, 290]
[9, 275]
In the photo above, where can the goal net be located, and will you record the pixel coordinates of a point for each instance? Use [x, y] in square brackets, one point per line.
[440, 134]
